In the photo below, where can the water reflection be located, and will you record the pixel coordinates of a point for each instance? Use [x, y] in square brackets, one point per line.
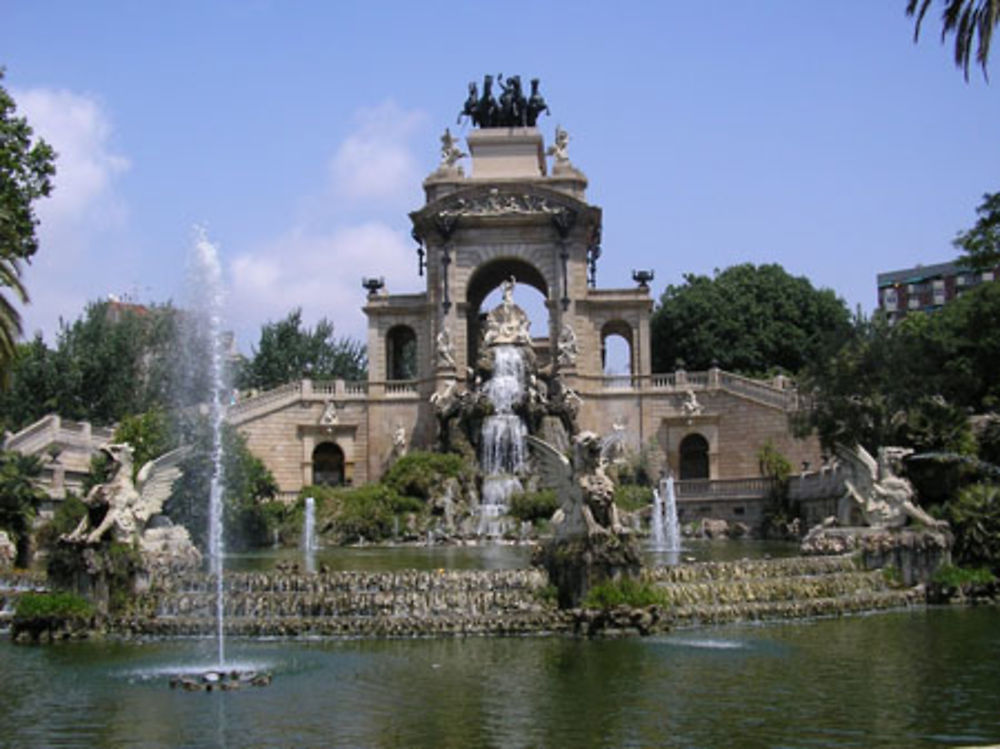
[900, 679]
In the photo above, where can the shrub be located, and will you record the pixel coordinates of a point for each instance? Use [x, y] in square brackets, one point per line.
[66, 517]
[624, 592]
[631, 497]
[533, 505]
[364, 512]
[58, 606]
[419, 474]
[974, 516]
[953, 576]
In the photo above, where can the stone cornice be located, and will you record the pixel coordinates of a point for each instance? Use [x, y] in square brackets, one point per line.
[516, 201]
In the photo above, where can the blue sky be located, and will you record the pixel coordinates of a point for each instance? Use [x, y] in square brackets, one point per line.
[815, 135]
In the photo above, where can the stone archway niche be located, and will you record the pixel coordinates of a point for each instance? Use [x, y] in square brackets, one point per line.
[490, 276]
[328, 464]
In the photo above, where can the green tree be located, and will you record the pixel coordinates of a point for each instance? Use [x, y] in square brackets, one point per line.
[289, 351]
[980, 245]
[248, 488]
[113, 361]
[26, 171]
[19, 499]
[972, 23]
[151, 434]
[914, 383]
[749, 319]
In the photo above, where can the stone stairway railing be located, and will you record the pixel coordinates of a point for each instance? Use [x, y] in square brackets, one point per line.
[52, 429]
[774, 393]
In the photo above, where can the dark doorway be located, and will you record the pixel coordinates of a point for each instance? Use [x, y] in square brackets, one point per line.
[328, 465]
[694, 457]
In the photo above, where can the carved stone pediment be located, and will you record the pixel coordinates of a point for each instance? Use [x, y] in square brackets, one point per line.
[514, 201]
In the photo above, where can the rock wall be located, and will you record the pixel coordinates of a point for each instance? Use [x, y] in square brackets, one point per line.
[508, 602]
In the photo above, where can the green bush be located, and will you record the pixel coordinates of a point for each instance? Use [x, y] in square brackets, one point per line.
[66, 517]
[41, 609]
[624, 592]
[632, 497]
[953, 576]
[974, 516]
[533, 505]
[419, 474]
[364, 512]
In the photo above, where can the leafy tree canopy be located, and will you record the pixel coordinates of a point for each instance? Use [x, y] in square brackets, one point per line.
[913, 383]
[288, 350]
[248, 487]
[971, 21]
[114, 361]
[749, 319]
[26, 171]
[981, 243]
[19, 498]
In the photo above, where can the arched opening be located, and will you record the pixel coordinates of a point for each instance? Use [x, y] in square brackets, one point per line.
[616, 349]
[694, 457]
[483, 293]
[328, 465]
[401, 353]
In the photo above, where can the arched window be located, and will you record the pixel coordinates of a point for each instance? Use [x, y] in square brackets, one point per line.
[401, 353]
[616, 353]
[328, 465]
[694, 457]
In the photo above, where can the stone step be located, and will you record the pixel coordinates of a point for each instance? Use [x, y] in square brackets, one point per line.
[339, 604]
[694, 616]
[534, 622]
[353, 582]
[773, 588]
[752, 569]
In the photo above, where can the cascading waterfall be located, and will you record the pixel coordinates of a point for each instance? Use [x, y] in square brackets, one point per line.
[504, 448]
[208, 279]
[665, 527]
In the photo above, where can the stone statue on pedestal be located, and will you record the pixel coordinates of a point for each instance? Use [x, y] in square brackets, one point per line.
[589, 543]
[450, 152]
[513, 109]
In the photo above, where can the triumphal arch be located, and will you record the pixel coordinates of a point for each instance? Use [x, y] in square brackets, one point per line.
[504, 209]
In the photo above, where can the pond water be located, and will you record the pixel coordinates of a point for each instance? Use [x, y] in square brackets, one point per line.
[901, 679]
[484, 556]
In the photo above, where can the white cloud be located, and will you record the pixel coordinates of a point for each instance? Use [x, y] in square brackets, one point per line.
[74, 261]
[320, 273]
[375, 163]
[318, 264]
[80, 131]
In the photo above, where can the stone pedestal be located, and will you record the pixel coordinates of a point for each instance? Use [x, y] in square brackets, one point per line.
[916, 553]
[575, 564]
[511, 153]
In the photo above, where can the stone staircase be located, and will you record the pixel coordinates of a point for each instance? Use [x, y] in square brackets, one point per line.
[372, 604]
[794, 588]
[462, 602]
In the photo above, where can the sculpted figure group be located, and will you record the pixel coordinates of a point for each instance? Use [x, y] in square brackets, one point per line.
[513, 109]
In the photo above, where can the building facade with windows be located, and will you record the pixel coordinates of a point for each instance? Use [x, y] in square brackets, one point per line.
[926, 287]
